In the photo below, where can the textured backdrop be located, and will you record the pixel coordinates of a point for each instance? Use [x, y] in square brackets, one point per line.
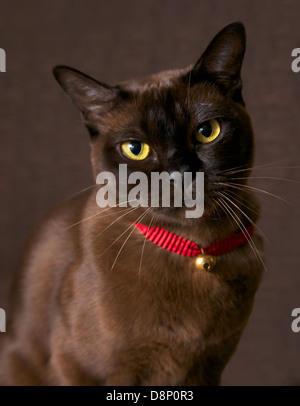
[44, 148]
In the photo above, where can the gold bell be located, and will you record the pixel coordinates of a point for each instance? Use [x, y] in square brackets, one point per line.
[205, 262]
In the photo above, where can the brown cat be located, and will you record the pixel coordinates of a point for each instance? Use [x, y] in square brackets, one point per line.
[97, 301]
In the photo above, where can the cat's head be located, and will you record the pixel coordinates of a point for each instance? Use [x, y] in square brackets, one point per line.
[189, 120]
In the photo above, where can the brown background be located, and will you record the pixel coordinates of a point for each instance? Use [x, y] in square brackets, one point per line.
[45, 150]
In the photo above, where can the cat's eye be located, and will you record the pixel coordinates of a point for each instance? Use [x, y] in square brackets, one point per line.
[135, 150]
[208, 131]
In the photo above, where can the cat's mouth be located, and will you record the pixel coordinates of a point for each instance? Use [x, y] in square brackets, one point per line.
[221, 198]
[189, 212]
[218, 199]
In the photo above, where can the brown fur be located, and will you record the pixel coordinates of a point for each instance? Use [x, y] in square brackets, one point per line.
[159, 321]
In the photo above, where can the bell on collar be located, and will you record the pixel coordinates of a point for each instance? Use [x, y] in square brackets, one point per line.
[205, 262]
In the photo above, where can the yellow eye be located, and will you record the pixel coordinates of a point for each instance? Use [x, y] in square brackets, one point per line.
[135, 150]
[208, 131]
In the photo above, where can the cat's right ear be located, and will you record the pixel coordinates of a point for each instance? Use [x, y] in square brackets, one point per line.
[86, 93]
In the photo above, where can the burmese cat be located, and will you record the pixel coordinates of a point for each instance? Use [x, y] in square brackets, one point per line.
[97, 303]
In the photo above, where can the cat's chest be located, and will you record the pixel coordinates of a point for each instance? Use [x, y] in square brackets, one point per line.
[166, 295]
[146, 291]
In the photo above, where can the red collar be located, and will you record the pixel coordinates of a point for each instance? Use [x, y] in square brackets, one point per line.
[174, 243]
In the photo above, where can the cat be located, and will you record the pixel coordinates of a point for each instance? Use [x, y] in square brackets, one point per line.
[97, 302]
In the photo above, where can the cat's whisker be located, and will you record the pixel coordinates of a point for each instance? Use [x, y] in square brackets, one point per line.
[240, 200]
[220, 202]
[242, 186]
[243, 229]
[213, 203]
[227, 214]
[244, 214]
[237, 221]
[143, 247]
[261, 198]
[117, 219]
[89, 217]
[80, 191]
[106, 249]
[266, 177]
[127, 238]
[269, 165]
[238, 169]
[98, 214]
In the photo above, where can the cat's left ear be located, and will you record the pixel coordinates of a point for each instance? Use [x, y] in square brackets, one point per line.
[221, 62]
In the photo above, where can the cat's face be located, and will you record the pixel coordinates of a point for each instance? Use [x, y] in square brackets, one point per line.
[190, 120]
